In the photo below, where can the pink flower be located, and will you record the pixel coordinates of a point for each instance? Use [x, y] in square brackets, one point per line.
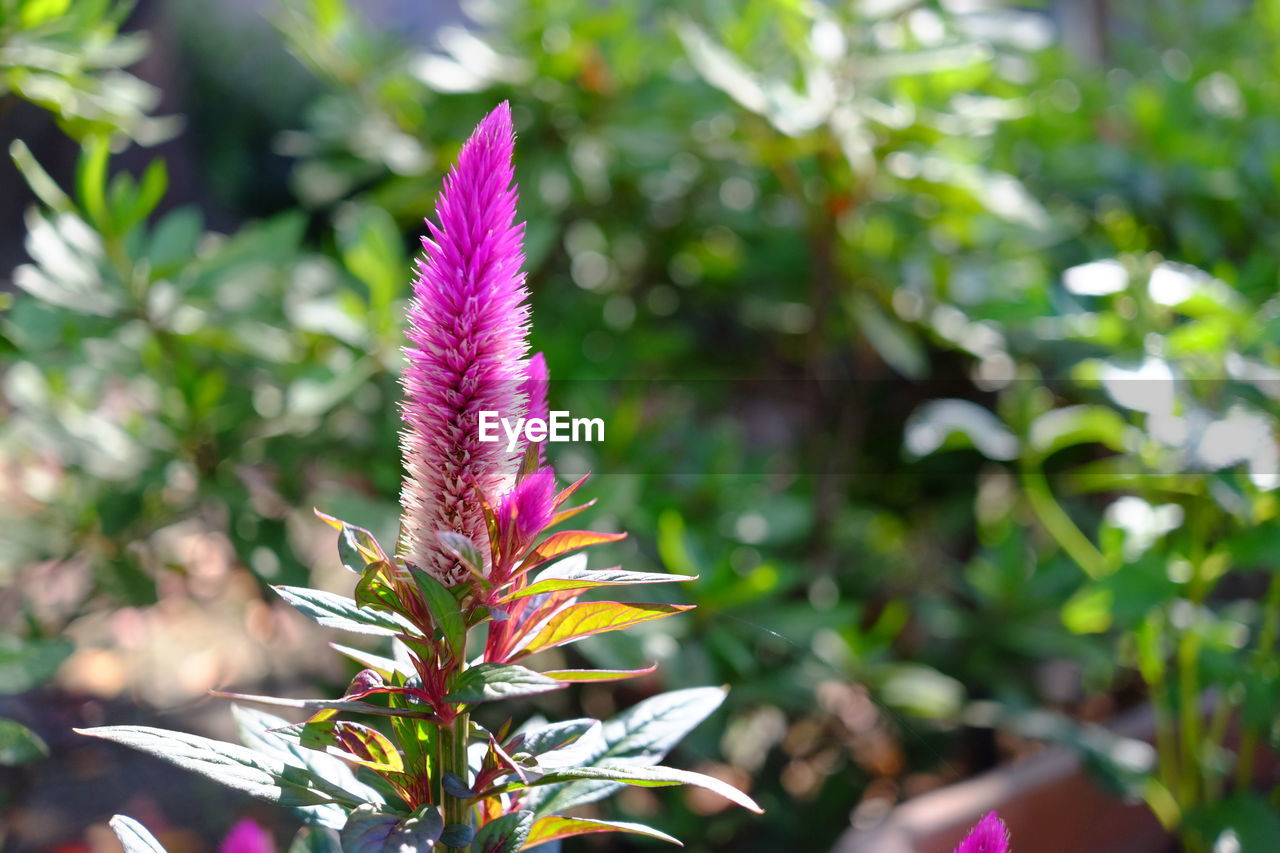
[989, 836]
[468, 324]
[525, 513]
[247, 837]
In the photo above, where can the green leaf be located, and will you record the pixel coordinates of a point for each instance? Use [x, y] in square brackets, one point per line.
[267, 734]
[507, 834]
[489, 682]
[91, 183]
[444, 611]
[316, 839]
[458, 835]
[944, 424]
[572, 573]
[352, 742]
[462, 547]
[155, 180]
[36, 12]
[593, 617]
[551, 736]
[1061, 428]
[134, 837]
[893, 340]
[649, 776]
[371, 831]
[643, 734]
[584, 676]
[235, 766]
[1248, 816]
[19, 745]
[313, 705]
[26, 664]
[357, 547]
[338, 611]
[45, 187]
[557, 827]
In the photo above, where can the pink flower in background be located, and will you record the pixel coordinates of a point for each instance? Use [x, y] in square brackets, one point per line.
[534, 390]
[468, 324]
[989, 836]
[247, 837]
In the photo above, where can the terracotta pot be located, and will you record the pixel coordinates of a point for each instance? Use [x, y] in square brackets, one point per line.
[1048, 801]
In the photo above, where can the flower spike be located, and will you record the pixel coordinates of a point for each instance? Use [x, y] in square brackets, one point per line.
[468, 328]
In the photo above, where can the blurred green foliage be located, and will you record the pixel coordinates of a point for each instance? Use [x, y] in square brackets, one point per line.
[971, 350]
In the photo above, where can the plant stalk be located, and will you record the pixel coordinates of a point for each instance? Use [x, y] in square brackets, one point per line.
[454, 760]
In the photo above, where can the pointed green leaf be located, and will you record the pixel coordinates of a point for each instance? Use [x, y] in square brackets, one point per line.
[371, 831]
[650, 776]
[583, 676]
[444, 611]
[352, 742]
[19, 745]
[266, 733]
[134, 837]
[338, 611]
[643, 734]
[507, 834]
[25, 664]
[464, 549]
[488, 682]
[313, 705]
[556, 827]
[45, 187]
[594, 617]
[229, 764]
[572, 573]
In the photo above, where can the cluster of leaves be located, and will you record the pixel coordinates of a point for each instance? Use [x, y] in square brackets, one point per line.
[69, 58]
[437, 776]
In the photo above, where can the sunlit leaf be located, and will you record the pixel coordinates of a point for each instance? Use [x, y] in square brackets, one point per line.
[134, 837]
[556, 827]
[488, 682]
[583, 676]
[566, 541]
[338, 611]
[506, 834]
[229, 764]
[352, 742]
[445, 611]
[593, 617]
[572, 573]
[369, 830]
[649, 776]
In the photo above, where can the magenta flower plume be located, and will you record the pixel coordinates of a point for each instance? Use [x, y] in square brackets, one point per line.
[989, 836]
[526, 511]
[247, 837]
[468, 324]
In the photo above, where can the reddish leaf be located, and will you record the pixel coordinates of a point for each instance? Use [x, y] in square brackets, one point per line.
[569, 540]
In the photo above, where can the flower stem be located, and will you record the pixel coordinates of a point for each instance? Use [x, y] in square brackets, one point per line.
[454, 760]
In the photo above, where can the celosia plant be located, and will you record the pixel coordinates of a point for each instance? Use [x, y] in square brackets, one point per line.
[989, 835]
[473, 585]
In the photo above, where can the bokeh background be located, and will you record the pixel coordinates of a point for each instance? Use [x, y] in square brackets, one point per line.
[940, 339]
